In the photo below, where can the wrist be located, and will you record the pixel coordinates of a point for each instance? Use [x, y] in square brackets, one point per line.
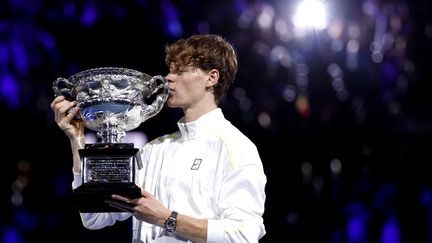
[77, 143]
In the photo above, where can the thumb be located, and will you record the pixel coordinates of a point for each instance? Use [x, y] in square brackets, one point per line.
[145, 194]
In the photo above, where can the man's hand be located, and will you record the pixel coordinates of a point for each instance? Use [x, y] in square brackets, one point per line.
[146, 208]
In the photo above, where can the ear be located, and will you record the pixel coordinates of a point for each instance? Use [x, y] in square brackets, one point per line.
[213, 78]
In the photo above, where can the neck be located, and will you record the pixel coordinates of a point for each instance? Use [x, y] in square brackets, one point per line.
[193, 113]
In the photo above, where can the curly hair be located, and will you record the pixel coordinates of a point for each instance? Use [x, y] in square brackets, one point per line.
[206, 52]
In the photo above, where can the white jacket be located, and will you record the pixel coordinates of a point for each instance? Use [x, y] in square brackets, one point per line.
[208, 169]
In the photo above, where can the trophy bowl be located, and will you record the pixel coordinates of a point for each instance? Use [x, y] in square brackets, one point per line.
[112, 101]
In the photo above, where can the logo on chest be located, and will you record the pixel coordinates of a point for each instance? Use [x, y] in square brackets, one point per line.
[196, 164]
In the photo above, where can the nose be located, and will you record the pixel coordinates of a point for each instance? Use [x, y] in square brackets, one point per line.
[169, 77]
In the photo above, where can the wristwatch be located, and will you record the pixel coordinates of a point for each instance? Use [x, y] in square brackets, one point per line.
[171, 222]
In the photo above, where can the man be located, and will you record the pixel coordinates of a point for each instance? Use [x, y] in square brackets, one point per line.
[204, 183]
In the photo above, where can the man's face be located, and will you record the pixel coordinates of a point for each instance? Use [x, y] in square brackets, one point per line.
[187, 86]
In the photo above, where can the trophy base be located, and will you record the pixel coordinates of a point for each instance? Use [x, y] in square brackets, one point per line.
[91, 197]
[106, 169]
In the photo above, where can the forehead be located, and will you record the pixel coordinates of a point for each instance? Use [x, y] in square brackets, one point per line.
[176, 66]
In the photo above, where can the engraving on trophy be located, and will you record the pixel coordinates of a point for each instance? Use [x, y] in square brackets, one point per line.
[112, 101]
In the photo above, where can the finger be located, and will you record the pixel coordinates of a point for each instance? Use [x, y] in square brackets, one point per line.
[66, 106]
[127, 207]
[60, 113]
[121, 198]
[68, 118]
[58, 99]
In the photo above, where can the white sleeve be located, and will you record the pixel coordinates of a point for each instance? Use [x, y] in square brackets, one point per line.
[241, 204]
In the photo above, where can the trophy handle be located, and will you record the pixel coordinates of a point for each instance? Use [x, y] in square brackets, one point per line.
[156, 106]
[62, 86]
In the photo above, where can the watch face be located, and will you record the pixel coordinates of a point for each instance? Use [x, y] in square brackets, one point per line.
[170, 224]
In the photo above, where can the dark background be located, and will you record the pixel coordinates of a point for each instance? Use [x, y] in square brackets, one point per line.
[341, 116]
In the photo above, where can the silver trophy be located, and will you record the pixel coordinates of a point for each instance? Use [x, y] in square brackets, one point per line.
[112, 101]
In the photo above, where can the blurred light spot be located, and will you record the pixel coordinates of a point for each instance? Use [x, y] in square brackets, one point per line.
[369, 8]
[89, 15]
[334, 70]
[69, 10]
[359, 109]
[11, 235]
[335, 166]
[20, 183]
[310, 13]
[48, 41]
[277, 52]
[282, 29]
[289, 93]
[377, 57]
[280, 54]
[62, 185]
[342, 95]
[4, 55]
[9, 88]
[139, 139]
[26, 219]
[20, 57]
[335, 29]
[119, 11]
[366, 150]
[245, 19]
[391, 232]
[172, 25]
[245, 104]
[17, 199]
[292, 218]
[302, 106]
[409, 66]
[24, 166]
[351, 62]
[395, 23]
[239, 93]
[318, 184]
[376, 46]
[357, 228]
[306, 168]
[353, 46]
[240, 5]
[302, 79]
[90, 137]
[385, 195]
[354, 31]
[264, 119]
[203, 27]
[265, 18]
[338, 84]
[426, 197]
[388, 40]
[401, 43]
[261, 48]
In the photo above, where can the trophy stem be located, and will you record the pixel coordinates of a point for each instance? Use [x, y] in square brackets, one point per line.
[111, 133]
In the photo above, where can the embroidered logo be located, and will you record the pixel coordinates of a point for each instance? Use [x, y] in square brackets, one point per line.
[196, 164]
